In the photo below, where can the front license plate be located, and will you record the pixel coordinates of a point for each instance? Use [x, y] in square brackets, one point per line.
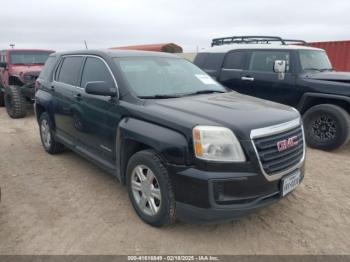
[290, 182]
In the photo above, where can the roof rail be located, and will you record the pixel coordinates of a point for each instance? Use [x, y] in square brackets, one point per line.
[246, 40]
[295, 41]
[255, 40]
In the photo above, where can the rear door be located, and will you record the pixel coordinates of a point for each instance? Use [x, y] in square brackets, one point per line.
[261, 81]
[212, 63]
[232, 70]
[63, 90]
[96, 117]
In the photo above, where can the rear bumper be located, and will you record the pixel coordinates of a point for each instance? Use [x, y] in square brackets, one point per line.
[210, 197]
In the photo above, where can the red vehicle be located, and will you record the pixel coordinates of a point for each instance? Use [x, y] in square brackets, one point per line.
[19, 68]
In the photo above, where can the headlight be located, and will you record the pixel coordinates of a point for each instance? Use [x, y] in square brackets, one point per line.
[216, 143]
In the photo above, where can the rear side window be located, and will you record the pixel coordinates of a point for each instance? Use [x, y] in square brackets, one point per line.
[70, 70]
[200, 59]
[234, 60]
[214, 61]
[264, 60]
[45, 73]
[96, 70]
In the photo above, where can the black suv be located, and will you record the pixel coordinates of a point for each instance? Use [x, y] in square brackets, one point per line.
[296, 75]
[184, 145]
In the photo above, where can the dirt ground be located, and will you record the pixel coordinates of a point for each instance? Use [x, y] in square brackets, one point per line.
[65, 205]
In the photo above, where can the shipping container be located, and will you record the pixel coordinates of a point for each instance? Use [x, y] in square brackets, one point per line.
[167, 47]
[338, 52]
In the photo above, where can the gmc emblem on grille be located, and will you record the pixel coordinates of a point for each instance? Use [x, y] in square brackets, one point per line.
[287, 143]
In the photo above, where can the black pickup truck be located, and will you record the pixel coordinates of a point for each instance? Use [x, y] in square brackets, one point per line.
[184, 145]
[287, 72]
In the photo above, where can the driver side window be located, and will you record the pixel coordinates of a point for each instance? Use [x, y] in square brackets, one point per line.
[96, 70]
[264, 60]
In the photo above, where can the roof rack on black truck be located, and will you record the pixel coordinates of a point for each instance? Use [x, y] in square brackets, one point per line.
[289, 72]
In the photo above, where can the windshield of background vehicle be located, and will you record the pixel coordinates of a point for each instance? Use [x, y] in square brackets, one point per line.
[158, 76]
[314, 60]
[28, 57]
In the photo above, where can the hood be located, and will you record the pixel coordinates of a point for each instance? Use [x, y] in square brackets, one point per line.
[238, 112]
[343, 77]
[26, 73]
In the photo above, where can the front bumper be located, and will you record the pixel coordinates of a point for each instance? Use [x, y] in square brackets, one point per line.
[209, 197]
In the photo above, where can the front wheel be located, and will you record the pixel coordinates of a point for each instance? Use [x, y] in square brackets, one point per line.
[327, 127]
[50, 144]
[150, 189]
[15, 102]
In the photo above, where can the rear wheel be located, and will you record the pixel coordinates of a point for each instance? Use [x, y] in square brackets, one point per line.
[327, 127]
[150, 189]
[2, 99]
[50, 144]
[15, 102]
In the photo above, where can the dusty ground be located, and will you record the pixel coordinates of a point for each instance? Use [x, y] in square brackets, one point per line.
[65, 205]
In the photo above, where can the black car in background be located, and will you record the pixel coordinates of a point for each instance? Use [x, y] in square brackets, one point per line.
[295, 75]
[184, 145]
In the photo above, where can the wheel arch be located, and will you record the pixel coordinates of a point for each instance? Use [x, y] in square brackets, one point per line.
[14, 80]
[134, 135]
[310, 100]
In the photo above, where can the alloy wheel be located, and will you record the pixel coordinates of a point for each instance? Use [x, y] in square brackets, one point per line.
[45, 133]
[324, 128]
[146, 190]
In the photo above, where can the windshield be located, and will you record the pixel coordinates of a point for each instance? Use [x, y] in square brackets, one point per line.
[28, 57]
[159, 76]
[314, 60]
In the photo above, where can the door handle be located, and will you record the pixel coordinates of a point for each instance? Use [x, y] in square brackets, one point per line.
[78, 97]
[247, 78]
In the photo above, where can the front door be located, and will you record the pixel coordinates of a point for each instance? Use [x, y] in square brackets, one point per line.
[261, 81]
[96, 117]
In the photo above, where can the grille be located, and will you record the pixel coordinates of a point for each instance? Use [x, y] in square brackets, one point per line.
[273, 161]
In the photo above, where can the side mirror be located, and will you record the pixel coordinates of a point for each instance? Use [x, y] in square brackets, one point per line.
[3, 65]
[280, 67]
[100, 88]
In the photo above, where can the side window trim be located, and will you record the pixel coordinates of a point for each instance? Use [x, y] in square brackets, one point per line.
[59, 65]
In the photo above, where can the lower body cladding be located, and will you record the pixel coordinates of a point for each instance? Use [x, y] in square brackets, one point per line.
[209, 197]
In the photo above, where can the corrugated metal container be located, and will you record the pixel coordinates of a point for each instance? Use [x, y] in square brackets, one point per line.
[338, 52]
[167, 47]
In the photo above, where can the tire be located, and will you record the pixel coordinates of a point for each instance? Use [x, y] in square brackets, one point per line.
[2, 99]
[327, 127]
[15, 102]
[157, 194]
[47, 139]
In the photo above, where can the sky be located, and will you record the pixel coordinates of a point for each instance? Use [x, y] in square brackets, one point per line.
[65, 24]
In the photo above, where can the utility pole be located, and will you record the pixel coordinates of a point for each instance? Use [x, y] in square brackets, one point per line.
[86, 44]
[12, 45]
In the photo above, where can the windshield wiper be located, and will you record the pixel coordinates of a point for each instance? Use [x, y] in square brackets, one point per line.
[159, 96]
[181, 95]
[204, 92]
[319, 69]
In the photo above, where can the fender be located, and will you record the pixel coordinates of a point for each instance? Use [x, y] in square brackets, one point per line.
[308, 95]
[171, 145]
[44, 99]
